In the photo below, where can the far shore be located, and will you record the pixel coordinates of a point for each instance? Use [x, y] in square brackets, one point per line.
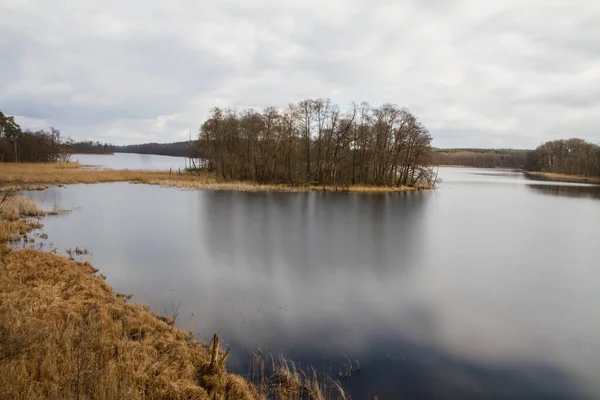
[548, 176]
[38, 176]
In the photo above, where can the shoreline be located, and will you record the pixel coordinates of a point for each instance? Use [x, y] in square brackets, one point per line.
[553, 177]
[69, 334]
[546, 176]
[29, 176]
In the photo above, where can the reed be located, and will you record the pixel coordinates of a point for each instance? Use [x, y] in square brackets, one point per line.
[20, 176]
[280, 378]
[66, 334]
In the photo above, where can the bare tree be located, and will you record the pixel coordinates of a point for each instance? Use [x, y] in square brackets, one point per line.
[315, 142]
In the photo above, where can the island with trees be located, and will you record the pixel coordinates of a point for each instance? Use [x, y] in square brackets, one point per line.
[313, 142]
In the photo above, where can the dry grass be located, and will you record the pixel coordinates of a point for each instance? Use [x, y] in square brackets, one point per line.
[14, 224]
[563, 177]
[23, 175]
[65, 334]
[15, 207]
[54, 173]
[281, 379]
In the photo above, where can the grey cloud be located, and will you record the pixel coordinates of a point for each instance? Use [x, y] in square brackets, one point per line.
[477, 74]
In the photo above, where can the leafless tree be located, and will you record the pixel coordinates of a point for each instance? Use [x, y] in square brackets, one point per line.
[313, 142]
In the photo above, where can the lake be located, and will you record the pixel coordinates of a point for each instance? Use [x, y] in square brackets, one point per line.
[131, 161]
[488, 287]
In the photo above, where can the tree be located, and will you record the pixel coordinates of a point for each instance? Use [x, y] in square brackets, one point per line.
[314, 142]
[10, 132]
[566, 156]
[31, 146]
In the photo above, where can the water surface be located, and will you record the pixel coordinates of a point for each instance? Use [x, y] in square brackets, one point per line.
[488, 287]
[131, 161]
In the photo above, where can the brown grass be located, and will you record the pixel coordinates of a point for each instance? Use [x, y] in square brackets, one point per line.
[65, 334]
[37, 175]
[563, 178]
[15, 207]
[14, 224]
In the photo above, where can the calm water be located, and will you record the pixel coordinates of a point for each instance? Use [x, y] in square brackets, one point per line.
[131, 161]
[486, 288]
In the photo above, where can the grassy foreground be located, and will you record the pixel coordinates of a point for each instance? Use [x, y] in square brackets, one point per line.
[18, 176]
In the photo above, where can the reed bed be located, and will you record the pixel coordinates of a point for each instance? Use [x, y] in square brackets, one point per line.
[65, 334]
[280, 378]
[21, 176]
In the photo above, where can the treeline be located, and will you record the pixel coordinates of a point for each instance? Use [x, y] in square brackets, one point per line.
[478, 150]
[481, 158]
[313, 142]
[17, 145]
[176, 149]
[90, 147]
[566, 156]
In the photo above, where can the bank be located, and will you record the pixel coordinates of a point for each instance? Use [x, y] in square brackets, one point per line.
[20, 176]
[64, 333]
[548, 176]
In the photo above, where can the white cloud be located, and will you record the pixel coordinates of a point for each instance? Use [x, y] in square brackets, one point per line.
[478, 74]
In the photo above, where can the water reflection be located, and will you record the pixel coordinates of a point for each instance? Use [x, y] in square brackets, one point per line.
[309, 232]
[592, 192]
[404, 369]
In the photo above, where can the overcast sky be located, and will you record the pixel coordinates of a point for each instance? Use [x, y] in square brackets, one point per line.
[477, 73]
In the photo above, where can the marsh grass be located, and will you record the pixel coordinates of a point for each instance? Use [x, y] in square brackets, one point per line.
[20, 176]
[66, 334]
[281, 378]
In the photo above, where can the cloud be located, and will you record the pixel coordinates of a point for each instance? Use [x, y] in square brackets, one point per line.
[509, 74]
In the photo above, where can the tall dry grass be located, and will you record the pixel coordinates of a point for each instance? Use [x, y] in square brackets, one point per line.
[18, 174]
[14, 221]
[65, 334]
[38, 175]
[281, 379]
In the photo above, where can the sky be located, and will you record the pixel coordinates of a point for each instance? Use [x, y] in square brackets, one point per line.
[510, 73]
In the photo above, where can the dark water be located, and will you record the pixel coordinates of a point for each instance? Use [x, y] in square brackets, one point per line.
[486, 288]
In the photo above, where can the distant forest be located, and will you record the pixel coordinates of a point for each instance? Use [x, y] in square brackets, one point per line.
[176, 149]
[481, 158]
[314, 142]
[565, 156]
